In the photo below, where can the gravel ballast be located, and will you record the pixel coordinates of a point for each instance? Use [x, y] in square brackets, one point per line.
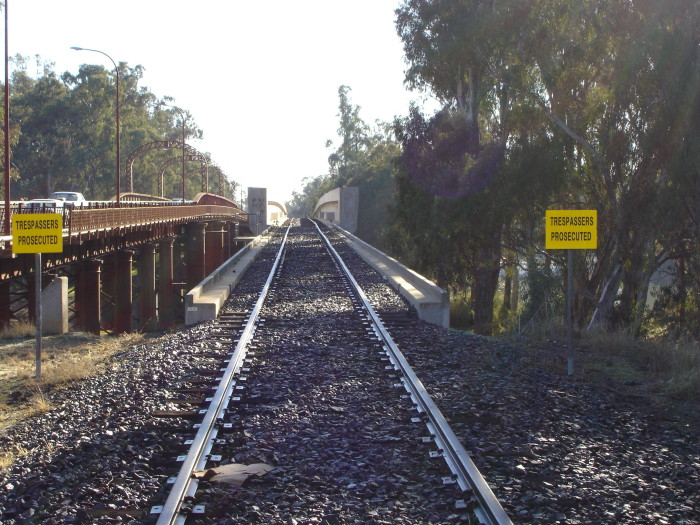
[553, 449]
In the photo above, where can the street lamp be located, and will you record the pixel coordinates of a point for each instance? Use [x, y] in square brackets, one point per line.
[182, 117]
[7, 133]
[116, 71]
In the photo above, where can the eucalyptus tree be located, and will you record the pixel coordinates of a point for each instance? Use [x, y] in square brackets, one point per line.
[364, 158]
[92, 97]
[303, 201]
[66, 133]
[461, 52]
[355, 142]
[600, 88]
[616, 79]
[39, 112]
[167, 124]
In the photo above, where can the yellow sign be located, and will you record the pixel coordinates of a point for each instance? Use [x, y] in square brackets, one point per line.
[571, 230]
[37, 233]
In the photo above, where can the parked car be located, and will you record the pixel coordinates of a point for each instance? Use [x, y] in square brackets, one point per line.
[71, 198]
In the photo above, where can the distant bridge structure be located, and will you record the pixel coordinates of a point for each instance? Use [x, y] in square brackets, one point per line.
[339, 206]
[188, 158]
[163, 144]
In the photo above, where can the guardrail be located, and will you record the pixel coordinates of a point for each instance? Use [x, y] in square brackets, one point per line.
[81, 220]
[105, 215]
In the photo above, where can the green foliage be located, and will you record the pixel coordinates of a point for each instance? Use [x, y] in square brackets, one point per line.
[303, 202]
[587, 105]
[461, 315]
[363, 159]
[67, 133]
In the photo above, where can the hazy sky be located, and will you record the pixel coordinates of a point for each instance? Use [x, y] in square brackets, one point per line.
[260, 78]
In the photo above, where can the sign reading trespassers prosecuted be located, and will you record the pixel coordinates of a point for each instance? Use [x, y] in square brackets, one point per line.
[37, 233]
[571, 230]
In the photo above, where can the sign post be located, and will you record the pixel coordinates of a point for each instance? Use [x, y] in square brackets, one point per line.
[36, 233]
[39, 317]
[571, 230]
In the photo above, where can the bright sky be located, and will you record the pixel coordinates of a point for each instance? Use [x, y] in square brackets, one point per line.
[260, 78]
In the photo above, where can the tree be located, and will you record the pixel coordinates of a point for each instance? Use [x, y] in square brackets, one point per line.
[364, 159]
[303, 202]
[453, 50]
[348, 159]
[615, 79]
[601, 87]
[68, 131]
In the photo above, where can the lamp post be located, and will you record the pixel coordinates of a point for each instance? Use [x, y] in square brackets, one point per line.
[182, 117]
[7, 134]
[116, 72]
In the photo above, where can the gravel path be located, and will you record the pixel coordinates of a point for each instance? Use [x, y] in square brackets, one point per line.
[553, 449]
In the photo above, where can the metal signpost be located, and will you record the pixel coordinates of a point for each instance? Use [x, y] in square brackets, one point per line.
[36, 233]
[571, 230]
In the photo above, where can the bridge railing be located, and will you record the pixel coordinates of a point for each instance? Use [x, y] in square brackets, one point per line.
[104, 215]
[81, 220]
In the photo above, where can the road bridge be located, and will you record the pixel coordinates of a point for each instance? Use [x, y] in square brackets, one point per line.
[123, 268]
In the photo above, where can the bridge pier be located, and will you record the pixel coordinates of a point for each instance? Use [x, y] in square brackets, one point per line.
[109, 285]
[54, 303]
[5, 299]
[123, 295]
[147, 286]
[214, 246]
[228, 243]
[166, 315]
[88, 296]
[54, 309]
[195, 253]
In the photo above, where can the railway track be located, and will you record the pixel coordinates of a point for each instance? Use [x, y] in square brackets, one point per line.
[317, 405]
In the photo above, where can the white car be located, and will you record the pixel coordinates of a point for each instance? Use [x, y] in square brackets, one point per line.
[71, 198]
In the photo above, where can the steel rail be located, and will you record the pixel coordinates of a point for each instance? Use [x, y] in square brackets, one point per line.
[185, 486]
[489, 509]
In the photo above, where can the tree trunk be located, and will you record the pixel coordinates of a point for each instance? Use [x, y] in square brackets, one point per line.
[485, 283]
[468, 103]
[681, 285]
[635, 285]
[508, 283]
[603, 313]
[507, 294]
[515, 298]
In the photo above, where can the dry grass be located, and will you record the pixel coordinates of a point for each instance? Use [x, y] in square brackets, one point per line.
[18, 330]
[8, 457]
[671, 367]
[65, 358]
[39, 402]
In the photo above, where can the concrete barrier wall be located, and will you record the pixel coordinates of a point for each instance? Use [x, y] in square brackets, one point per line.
[257, 210]
[339, 206]
[430, 301]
